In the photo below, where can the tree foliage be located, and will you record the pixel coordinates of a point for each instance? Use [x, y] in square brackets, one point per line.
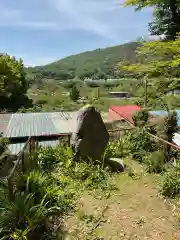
[160, 59]
[74, 94]
[140, 118]
[96, 64]
[166, 16]
[13, 85]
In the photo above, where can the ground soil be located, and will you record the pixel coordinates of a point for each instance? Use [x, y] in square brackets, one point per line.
[135, 210]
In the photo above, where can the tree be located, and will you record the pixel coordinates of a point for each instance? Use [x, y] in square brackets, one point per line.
[13, 84]
[160, 65]
[140, 118]
[162, 23]
[166, 15]
[160, 59]
[74, 94]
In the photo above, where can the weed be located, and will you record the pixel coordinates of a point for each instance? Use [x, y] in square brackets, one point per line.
[117, 148]
[140, 143]
[171, 183]
[155, 162]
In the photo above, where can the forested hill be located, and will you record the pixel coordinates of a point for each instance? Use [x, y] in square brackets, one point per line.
[99, 63]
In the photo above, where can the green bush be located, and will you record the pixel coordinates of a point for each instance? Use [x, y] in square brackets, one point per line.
[43, 193]
[140, 118]
[22, 217]
[41, 184]
[48, 158]
[140, 143]
[117, 148]
[155, 162]
[171, 183]
[74, 93]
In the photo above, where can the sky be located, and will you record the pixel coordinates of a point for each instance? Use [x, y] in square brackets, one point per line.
[43, 31]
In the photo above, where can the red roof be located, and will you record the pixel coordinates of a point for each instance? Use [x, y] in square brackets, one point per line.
[126, 112]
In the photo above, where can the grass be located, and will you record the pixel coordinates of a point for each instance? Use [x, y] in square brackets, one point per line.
[58, 102]
[64, 199]
[134, 211]
[55, 98]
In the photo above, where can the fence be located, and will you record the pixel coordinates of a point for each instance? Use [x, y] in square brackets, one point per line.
[20, 167]
[32, 144]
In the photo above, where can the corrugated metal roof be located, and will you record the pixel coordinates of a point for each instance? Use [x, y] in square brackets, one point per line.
[36, 124]
[30, 124]
[15, 148]
[4, 120]
[64, 125]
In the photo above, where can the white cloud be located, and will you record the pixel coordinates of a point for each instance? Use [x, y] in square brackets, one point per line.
[7, 14]
[87, 15]
[101, 17]
[24, 19]
[38, 61]
[33, 60]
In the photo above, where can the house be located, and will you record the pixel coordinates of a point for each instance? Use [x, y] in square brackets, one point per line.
[173, 92]
[124, 113]
[119, 94]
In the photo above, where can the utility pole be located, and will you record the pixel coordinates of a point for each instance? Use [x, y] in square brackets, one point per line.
[145, 91]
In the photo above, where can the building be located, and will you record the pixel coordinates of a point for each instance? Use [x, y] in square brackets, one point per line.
[123, 112]
[19, 126]
[173, 92]
[119, 94]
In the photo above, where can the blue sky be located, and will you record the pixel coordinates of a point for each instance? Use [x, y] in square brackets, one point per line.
[42, 31]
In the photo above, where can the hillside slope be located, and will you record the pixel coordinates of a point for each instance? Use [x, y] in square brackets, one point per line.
[97, 63]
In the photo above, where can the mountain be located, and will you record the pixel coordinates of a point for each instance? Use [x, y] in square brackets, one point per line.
[99, 63]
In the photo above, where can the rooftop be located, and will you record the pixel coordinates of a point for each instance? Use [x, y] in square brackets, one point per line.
[19, 125]
[36, 124]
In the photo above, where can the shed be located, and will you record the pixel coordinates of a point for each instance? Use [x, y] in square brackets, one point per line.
[19, 126]
[120, 94]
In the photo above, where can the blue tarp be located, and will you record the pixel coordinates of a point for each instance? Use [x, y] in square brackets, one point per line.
[164, 113]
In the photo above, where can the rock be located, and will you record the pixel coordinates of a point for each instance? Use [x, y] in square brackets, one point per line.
[116, 164]
[91, 136]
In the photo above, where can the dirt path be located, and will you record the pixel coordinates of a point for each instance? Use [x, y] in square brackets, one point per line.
[134, 211]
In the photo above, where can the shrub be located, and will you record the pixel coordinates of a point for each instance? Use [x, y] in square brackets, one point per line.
[140, 144]
[171, 183]
[140, 118]
[74, 94]
[41, 184]
[23, 217]
[91, 176]
[155, 162]
[48, 158]
[117, 148]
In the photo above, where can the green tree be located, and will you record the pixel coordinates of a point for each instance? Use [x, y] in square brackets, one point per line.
[166, 15]
[74, 94]
[13, 84]
[140, 118]
[162, 23]
[161, 59]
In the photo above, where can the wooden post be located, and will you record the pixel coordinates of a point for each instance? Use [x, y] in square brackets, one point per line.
[10, 190]
[69, 139]
[145, 94]
[30, 147]
[22, 162]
